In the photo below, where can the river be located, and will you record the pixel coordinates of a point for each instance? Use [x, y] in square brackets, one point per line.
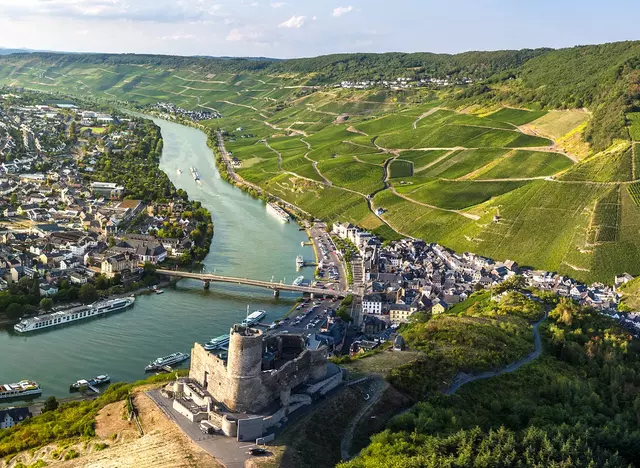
[247, 242]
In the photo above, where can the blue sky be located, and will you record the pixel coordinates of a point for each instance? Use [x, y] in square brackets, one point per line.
[297, 28]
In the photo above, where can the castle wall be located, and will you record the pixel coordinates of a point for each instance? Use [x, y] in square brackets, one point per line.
[241, 385]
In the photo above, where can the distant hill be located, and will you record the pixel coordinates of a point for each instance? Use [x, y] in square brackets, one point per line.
[4, 51]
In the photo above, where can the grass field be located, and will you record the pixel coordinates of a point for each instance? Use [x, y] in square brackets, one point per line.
[633, 121]
[457, 195]
[346, 172]
[557, 124]
[422, 159]
[400, 168]
[516, 116]
[519, 164]
[612, 166]
[463, 163]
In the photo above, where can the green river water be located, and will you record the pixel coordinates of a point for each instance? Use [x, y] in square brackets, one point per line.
[248, 242]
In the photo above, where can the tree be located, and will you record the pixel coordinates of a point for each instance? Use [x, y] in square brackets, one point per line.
[50, 404]
[46, 303]
[88, 293]
[14, 310]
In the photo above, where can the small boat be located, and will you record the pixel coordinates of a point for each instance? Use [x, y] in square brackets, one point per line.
[170, 360]
[299, 261]
[217, 343]
[298, 281]
[179, 171]
[254, 318]
[83, 383]
[159, 291]
[195, 174]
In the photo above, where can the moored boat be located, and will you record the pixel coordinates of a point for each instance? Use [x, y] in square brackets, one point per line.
[62, 317]
[217, 343]
[254, 317]
[170, 360]
[98, 380]
[22, 389]
[298, 281]
[299, 261]
[278, 212]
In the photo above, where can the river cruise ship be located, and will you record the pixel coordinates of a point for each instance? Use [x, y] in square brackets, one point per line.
[217, 343]
[254, 318]
[170, 360]
[278, 212]
[24, 388]
[73, 315]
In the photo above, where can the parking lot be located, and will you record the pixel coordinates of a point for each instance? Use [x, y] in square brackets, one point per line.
[227, 450]
[332, 275]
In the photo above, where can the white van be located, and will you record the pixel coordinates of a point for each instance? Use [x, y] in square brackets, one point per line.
[207, 428]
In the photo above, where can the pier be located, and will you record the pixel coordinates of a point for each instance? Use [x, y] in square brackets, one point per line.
[208, 278]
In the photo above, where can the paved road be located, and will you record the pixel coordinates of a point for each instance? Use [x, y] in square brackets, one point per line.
[376, 390]
[463, 379]
[226, 450]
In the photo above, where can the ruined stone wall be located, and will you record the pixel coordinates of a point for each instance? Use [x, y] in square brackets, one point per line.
[241, 385]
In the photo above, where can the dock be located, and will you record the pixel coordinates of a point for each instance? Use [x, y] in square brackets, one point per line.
[93, 389]
[167, 369]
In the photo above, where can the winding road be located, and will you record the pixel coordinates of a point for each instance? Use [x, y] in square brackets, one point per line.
[462, 379]
[458, 381]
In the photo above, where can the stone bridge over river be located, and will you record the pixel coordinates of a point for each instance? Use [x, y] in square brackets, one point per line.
[208, 278]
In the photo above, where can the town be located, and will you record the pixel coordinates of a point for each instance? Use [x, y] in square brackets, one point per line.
[170, 110]
[78, 220]
[404, 83]
[409, 276]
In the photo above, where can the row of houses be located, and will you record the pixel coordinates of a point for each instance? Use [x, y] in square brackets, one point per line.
[411, 275]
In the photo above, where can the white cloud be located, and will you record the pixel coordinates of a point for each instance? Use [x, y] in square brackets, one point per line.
[295, 22]
[158, 11]
[238, 34]
[179, 37]
[278, 4]
[338, 12]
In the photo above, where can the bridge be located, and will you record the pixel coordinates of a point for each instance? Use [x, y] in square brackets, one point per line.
[208, 278]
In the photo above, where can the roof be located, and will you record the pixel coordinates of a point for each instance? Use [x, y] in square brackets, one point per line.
[17, 414]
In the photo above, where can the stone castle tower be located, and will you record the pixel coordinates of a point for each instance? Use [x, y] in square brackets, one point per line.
[244, 367]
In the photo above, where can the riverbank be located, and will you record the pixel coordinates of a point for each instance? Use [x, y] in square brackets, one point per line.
[5, 322]
[248, 242]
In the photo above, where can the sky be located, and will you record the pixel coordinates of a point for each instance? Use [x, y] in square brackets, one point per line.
[305, 28]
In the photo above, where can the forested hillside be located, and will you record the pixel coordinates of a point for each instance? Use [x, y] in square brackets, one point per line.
[577, 405]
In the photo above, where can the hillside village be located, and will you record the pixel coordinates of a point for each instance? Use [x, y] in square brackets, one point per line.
[65, 226]
[404, 83]
[410, 276]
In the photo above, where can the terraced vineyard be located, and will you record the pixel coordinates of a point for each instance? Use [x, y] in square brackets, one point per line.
[503, 182]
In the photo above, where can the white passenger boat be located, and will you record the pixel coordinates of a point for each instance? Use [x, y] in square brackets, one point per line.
[278, 212]
[298, 281]
[170, 360]
[254, 317]
[21, 389]
[63, 317]
[217, 343]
